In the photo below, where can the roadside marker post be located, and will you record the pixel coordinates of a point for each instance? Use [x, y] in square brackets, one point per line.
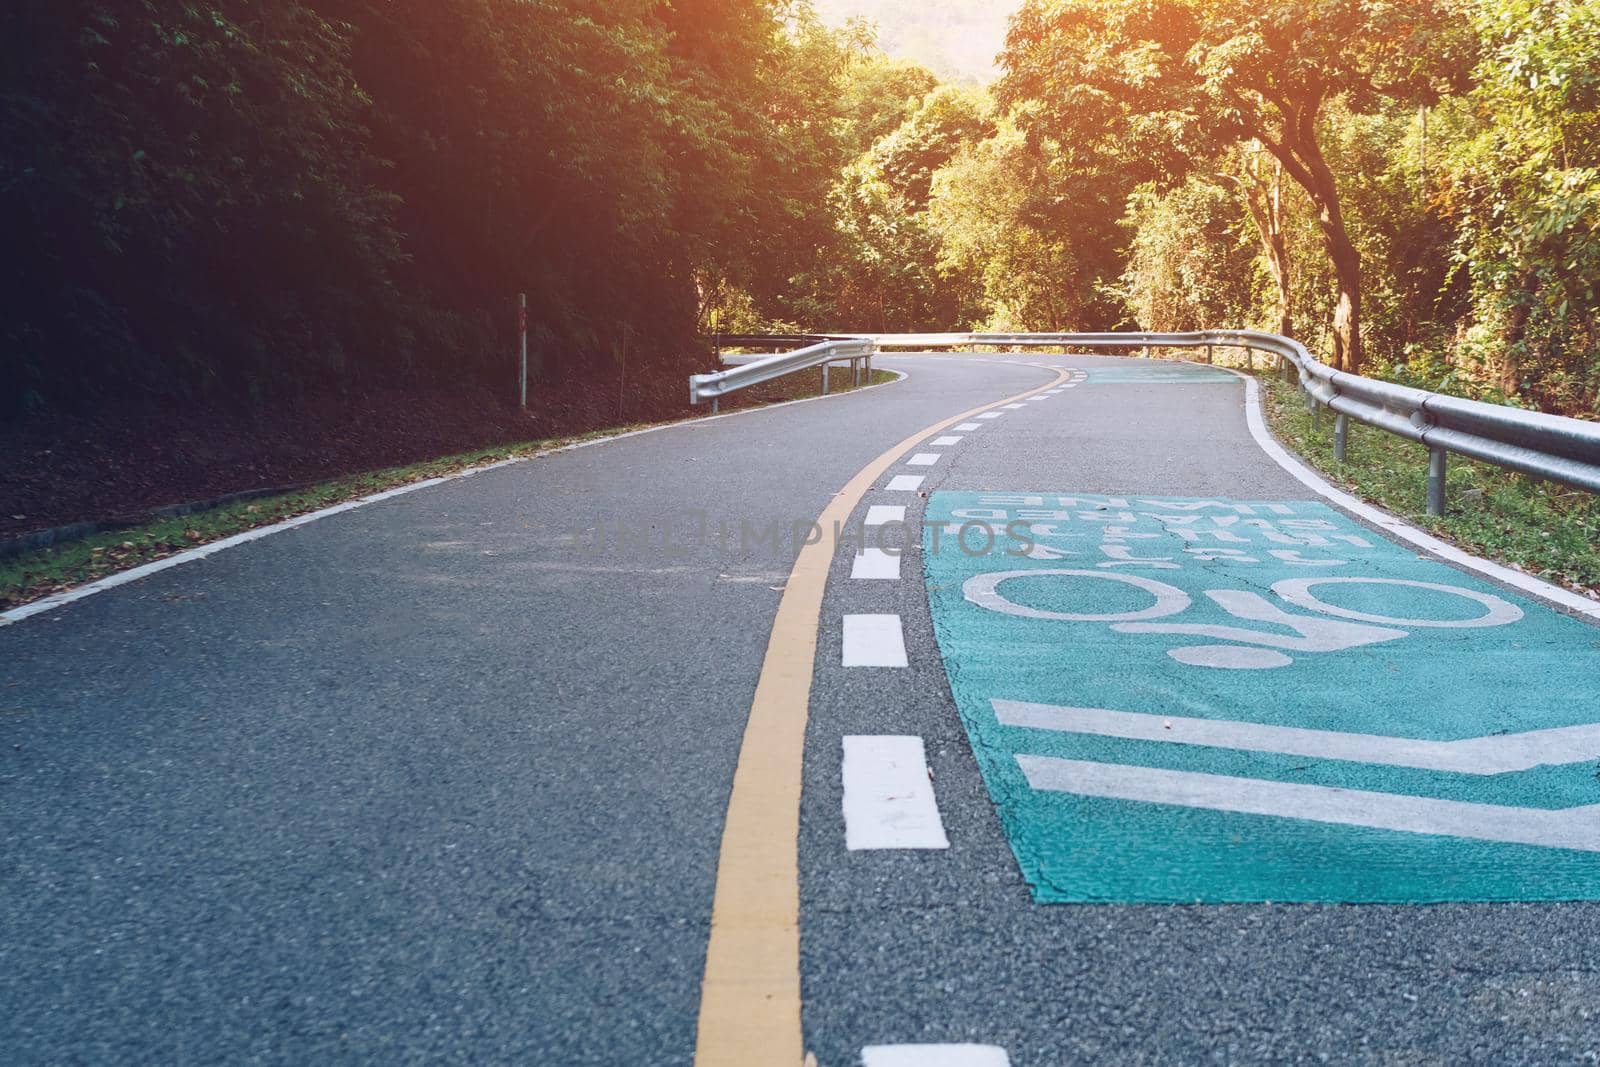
[522, 331]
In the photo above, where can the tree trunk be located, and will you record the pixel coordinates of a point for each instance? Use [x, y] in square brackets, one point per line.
[1265, 201]
[1301, 156]
[1347, 354]
[1516, 335]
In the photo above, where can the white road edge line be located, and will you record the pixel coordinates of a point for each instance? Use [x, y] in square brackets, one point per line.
[873, 641]
[876, 564]
[934, 1056]
[904, 483]
[888, 795]
[1302, 473]
[134, 574]
[1575, 828]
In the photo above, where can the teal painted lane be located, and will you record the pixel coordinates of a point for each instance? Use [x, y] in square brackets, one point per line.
[1183, 699]
[1147, 372]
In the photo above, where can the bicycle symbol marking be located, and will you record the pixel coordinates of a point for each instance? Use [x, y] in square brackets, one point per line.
[1331, 629]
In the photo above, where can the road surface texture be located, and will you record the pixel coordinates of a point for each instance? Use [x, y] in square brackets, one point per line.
[444, 778]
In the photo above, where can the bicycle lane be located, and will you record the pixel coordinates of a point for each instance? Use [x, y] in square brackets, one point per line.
[1184, 679]
[1209, 699]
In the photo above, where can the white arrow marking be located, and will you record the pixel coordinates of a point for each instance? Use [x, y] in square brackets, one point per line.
[1495, 754]
[1574, 828]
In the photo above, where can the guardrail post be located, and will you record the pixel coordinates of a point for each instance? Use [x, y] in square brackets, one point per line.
[714, 404]
[1209, 358]
[1341, 436]
[1250, 359]
[1316, 416]
[825, 379]
[855, 374]
[1436, 473]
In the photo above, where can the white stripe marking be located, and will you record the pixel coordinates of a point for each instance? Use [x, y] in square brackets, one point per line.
[876, 564]
[1013, 407]
[934, 1056]
[884, 514]
[888, 795]
[923, 459]
[1495, 754]
[942, 442]
[968, 427]
[991, 415]
[904, 483]
[1575, 828]
[874, 641]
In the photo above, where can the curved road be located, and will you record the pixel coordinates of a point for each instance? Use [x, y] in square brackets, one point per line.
[445, 778]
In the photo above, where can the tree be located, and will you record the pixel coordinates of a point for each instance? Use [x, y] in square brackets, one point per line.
[1179, 80]
[1043, 242]
[1189, 260]
[1523, 186]
[948, 118]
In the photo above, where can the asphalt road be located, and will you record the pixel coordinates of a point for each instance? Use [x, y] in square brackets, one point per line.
[443, 779]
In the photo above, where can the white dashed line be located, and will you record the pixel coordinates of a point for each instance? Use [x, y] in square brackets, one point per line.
[968, 427]
[904, 483]
[941, 442]
[876, 564]
[1011, 407]
[884, 514]
[873, 641]
[991, 415]
[923, 459]
[888, 796]
[934, 1056]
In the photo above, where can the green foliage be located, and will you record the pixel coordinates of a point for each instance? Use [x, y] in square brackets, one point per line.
[877, 94]
[1038, 239]
[1190, 258]
[1523, 187]
[243, 198]
[187, 199]
[240, 198]
[1175, 84]
[947, 119]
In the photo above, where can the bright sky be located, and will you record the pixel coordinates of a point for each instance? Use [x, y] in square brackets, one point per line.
[955, 38]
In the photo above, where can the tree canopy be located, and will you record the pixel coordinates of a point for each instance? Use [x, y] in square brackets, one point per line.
[239, 199]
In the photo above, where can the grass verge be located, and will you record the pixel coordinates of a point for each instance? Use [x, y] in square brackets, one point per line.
[46, 571]
[1537, 527]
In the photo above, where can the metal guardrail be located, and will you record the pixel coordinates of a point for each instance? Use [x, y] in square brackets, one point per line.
[1545, 446]
[858, 351]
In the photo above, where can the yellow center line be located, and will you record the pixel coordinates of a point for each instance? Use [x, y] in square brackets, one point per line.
[750, 997]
